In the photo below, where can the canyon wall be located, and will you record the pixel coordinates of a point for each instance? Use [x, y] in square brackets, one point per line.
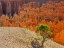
[9, 7]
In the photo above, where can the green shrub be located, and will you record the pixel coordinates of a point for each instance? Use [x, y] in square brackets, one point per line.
[44, 31]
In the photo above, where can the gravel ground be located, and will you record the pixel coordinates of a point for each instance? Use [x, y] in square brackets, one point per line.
[13, 37]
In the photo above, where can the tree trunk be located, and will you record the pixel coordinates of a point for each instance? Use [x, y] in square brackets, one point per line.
[43, 40]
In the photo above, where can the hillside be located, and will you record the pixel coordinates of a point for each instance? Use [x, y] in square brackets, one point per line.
[12, 37]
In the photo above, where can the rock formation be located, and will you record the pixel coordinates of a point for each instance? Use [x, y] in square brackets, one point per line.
[0, 9]
[14, 4]
[8, 9]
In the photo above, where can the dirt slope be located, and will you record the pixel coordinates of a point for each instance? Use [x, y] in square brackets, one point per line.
[11, 37]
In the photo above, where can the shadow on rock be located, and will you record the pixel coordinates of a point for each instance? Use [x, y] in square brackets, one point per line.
[35, 44]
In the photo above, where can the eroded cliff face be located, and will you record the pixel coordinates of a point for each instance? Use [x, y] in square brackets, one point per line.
[9, 7]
